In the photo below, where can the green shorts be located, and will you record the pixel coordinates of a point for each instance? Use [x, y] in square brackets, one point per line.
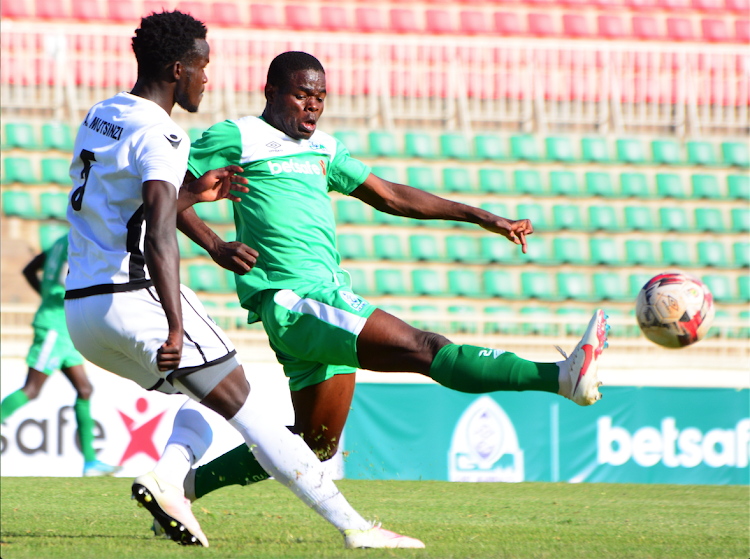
[314, 330]
[51, 351]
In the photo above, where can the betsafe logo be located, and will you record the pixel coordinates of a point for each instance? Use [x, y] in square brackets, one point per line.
[293, 167]
[673, 447]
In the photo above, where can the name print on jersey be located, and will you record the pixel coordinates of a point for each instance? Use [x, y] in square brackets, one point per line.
[105, 128]
[278, 167]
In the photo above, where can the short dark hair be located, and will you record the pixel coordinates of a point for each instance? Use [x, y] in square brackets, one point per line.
[163, 39]
[285, 64]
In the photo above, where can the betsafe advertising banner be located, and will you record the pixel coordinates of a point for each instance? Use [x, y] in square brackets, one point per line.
[633, 435]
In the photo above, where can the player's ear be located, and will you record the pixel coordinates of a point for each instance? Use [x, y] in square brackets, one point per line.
[270, 92]
[174, 71]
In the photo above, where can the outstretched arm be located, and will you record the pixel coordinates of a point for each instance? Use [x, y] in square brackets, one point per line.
[399, 199]
[31, 272]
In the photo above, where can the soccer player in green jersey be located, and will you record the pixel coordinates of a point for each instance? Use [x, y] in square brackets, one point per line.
[320, 329]
[52, 349]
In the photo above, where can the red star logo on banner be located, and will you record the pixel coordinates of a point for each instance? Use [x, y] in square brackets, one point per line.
[141, 438]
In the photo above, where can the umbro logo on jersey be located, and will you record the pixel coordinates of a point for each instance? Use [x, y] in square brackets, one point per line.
[173, 139]
[273, 145]
[277, 167]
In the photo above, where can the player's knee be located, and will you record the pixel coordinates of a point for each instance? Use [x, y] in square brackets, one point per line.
[323, 447]
[31, 391]
[85, 391]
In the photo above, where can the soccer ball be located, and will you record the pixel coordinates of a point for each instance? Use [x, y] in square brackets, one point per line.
[675, 309]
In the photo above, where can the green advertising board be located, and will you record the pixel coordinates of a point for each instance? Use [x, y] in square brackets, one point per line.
[633, 435]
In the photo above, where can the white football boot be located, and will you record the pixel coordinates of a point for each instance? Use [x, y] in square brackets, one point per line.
[377, 537]
[579, 373]
[168, 505]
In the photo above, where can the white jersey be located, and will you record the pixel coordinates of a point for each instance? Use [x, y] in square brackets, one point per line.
[123, 142]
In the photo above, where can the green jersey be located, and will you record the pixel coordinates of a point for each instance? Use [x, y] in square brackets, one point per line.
[51, 313]
[287, 215]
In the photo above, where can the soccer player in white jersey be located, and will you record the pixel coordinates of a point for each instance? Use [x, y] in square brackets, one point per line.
[320, 329]
[125, 307]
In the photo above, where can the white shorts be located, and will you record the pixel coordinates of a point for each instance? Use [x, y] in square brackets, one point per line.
[122, 332]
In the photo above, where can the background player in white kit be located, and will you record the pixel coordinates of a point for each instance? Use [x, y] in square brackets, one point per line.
[125, 308]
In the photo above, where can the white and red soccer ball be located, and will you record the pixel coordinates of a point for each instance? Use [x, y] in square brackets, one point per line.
[675, 309]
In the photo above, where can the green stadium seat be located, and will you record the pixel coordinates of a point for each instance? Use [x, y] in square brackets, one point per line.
[537, 250]
[535, 321]
[528, 181]
[669, 185]
[594, 150]
[705, 186]
[701, 153]
[576, 328]
[423, 247]
[424, 323]
[709, 220]
[195, 133]
[389, 282]
[19, 169]
[461, 325]
[500, 284]
[56, 171]
[602, 218]
[57, 135]
[559, 149]
[534, 212]
[352, 141]
[360, 281]
[740, 220]
[736, 154]
[567, 216]
[454, 146]
[492, 181]
[639, 252]
[741, 252]
[427, 282]
[636, 283]
[563, 183]
[462, 248]
[743, 288]
[351, 246]
[19, 204]
[497, 320]
[719, 287]
[604, 251]
[599, 184]
[422, 178]
[738, 187]
[382, 144]
[382, 218]
[673, 219]
[634, 185]
[53, 205]
[352, 211]
[638, 218]
[573, 285]
[523, 147]
[607, 286]
[497, 249]
[568, 250]
[676, 253]
[20, 135]
[387, 247]
[712, 253]
[206, 277]
[230, 280]
[489, 147]
[496, 208]
[214, 212]
[386, 172]
[188, 249]
[537, 285]
[630, 151]
[49, 233]
[666, 152]
[464, 283]
[419, 145]
[457, 180]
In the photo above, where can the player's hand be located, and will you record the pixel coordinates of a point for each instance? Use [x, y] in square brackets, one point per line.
[513, 230]
[218, 184]
[169, 355]
[235, 256]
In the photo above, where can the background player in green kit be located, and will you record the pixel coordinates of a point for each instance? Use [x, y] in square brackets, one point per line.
[320, 329]
[52, 349]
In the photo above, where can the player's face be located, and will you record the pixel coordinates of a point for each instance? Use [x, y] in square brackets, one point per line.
[189, 88]
[297, 107]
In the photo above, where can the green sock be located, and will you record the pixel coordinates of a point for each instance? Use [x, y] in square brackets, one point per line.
[85, 429]
[11, 403]
[236, 467]
[479, 370]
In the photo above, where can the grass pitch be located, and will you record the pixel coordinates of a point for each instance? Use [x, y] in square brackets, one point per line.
[94, 518]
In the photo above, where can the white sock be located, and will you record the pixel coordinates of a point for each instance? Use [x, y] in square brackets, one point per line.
[174, 464]
[291, 462]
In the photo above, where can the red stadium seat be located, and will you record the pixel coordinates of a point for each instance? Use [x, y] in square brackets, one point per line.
[642, 4]
[715, 30]
[368, 20]
[473, 23]
[50, 9]
[575, 25]
[742, 31]
[403, 21]
[298, 17]
[226, 14]
[157, 6]
[541, 25]
[264, 16]
[17, 8]
[438, 22]
[122, 10]
[86, 10]
[645, 28]
[611, 27]
[739, 6]
[333, 18]
[679, 29]
[679, 5]
[508, 23]
[575, 3]
[198, 10]
[709, 5]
